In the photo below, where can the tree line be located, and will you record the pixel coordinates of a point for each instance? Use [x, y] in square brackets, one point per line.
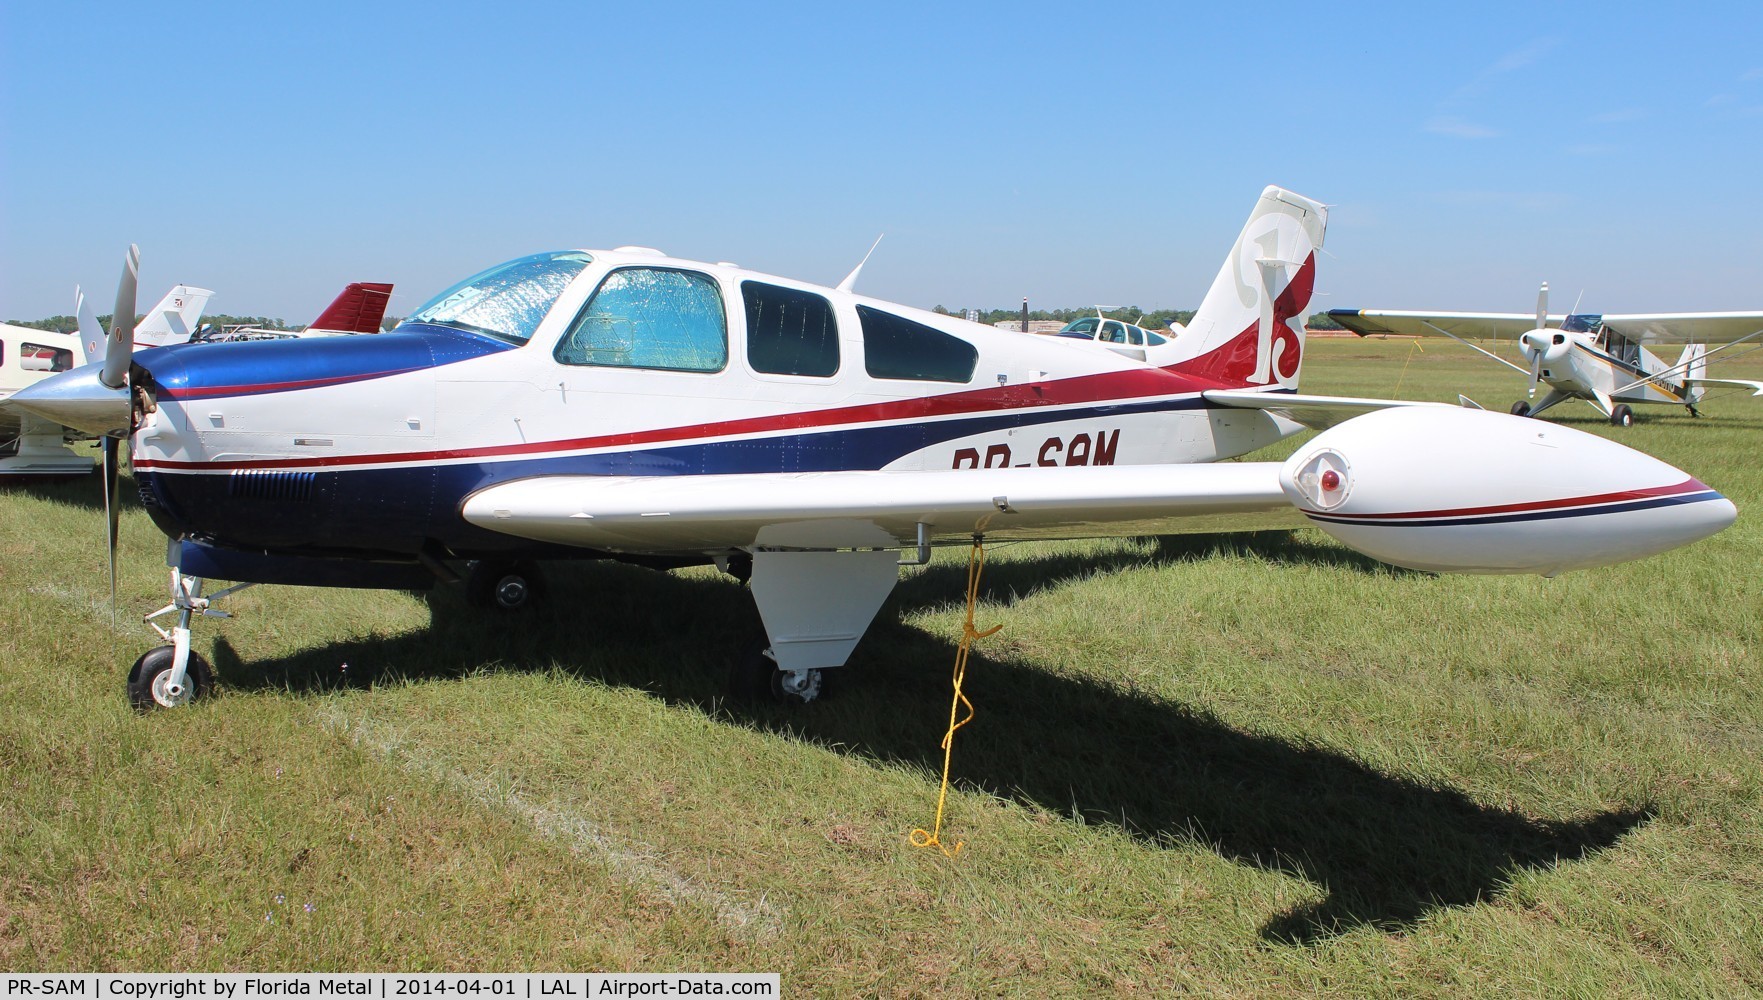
[1157, 319]
[71, 324]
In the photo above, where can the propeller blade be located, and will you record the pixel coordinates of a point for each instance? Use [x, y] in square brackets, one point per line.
[1542, 309]
[1536, 371]
[121, 346]
[112, 511]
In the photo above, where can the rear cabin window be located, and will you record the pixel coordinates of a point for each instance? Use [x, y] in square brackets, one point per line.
[897, 348]
[789, 332]
[650, 317]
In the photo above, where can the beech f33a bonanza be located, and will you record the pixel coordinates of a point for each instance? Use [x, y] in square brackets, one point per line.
[623, 404]
[1603, 360]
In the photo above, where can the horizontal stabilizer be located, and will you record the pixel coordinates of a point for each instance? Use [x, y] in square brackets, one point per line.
[1755, 387]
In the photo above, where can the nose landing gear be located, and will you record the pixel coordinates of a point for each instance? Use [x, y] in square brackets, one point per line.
[175, 675]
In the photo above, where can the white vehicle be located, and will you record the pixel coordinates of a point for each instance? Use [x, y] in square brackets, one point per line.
[1603, 360]
[31, 446]
[622, 404]
[1124, 339]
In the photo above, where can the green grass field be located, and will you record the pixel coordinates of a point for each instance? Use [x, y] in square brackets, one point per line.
[1242, 765]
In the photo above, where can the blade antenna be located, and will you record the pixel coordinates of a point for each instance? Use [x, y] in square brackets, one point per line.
[850, 281]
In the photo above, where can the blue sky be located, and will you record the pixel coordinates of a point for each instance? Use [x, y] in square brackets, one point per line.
[1072, 153]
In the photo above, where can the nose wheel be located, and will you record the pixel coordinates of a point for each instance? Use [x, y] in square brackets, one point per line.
[503, 585]
[153, 686]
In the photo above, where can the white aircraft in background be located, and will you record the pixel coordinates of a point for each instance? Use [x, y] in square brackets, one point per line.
[1125, 339]
[31, 446]
[1603, 360]
[627, 405]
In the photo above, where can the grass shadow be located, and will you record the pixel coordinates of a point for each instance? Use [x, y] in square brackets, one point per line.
[1386, 849]
[78, 489]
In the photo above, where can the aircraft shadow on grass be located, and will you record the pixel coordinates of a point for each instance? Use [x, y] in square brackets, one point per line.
[1007, 580]
[1386, 849]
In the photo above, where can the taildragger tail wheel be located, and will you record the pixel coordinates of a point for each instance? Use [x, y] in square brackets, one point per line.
[150, 680]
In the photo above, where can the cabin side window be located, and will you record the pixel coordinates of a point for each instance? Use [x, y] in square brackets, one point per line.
[650, 317]
[789, 332]
[38, 358]
[897, 348]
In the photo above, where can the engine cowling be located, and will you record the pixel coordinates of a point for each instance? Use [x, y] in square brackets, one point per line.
[1457, 490]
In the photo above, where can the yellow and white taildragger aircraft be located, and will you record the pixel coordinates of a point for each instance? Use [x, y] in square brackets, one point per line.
[1603, 360]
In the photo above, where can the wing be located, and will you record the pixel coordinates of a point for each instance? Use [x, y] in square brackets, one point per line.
[1319, 412]
[1366, 322]
[699, 514]
[1678, 328]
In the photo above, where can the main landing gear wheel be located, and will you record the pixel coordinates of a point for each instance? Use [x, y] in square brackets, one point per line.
[1622, 416]
[503, 585]
[798, 687]
[149, 680]
[754, 676]
[1521, 409]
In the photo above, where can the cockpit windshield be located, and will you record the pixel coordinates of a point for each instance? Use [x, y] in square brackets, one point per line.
[508, 301]
[1582, 323]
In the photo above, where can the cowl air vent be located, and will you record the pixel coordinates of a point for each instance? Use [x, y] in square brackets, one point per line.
[295, 486]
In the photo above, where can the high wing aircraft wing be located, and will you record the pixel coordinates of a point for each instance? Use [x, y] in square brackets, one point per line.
[1319, 412]
[1678, 328]
[883, 509]
[1366, 322]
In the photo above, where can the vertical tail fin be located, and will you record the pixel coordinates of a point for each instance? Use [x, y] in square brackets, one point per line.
[358, 310]
[174, 318]
[1249, 330]
[1691, 366]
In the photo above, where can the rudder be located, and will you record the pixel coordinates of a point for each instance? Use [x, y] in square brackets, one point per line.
[1249, 329]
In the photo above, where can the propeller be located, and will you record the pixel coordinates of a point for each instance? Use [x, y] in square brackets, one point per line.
[112, 511]
[1536, 362]
[119, 350]
[120, 347]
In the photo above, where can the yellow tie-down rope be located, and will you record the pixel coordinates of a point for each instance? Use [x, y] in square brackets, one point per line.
[976, 562]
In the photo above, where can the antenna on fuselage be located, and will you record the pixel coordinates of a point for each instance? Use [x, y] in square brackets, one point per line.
[850, 281]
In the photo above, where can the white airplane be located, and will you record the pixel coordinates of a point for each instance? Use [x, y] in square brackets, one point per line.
[357, 309]
[627, 405]
[1125, 339]
[33, 447]
[1603, 360]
